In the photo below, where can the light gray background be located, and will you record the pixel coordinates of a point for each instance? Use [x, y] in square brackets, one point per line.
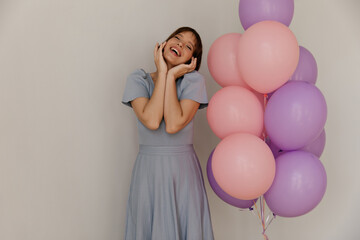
[67, 144]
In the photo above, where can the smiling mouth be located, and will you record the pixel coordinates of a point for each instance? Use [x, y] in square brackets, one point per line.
[175, 51]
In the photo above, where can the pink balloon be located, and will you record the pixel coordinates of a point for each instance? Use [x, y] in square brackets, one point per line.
[222, 62]
[235, 109]
[243, 166]
[268, 54]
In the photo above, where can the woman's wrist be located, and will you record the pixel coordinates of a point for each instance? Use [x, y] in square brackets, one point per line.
[171, 75]
[162, 74]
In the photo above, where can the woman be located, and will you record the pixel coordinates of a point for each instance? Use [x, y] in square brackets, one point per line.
[167, 198]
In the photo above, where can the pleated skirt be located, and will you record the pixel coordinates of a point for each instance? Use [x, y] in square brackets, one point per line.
[167, 197]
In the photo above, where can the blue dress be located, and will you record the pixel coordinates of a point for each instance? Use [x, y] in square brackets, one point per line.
[167, 197]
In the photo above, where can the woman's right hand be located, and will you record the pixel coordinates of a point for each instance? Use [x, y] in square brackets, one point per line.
[160, 63]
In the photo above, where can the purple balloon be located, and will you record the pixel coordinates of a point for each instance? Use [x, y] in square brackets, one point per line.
[254, 11]
[295, 115]
[299, 184]
[223, 195]
[317, 146]
[306, 69]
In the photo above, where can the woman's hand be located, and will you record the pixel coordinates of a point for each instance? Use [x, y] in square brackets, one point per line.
[160, 63]
[182, 69]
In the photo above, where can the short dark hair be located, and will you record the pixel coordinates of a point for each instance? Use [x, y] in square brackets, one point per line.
[198, 45]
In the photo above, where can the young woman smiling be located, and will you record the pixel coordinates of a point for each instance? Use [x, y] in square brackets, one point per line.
[167, 198]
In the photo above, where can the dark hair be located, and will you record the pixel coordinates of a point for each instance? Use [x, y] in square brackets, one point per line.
[198, 45]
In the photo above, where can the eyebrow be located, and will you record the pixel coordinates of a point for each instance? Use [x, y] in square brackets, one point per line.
[188, 42]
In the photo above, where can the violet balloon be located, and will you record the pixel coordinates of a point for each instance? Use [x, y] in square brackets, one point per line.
[306, 69]
[299, 184]
[253, 11]
[295, 115]
[223, 195]
[317, 146]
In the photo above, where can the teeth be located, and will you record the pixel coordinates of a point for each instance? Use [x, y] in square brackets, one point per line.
[176, 51]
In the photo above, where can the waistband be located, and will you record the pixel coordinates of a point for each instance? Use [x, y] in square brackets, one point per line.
[162, 149]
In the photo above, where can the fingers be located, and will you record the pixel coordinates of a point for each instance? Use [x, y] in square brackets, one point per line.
[194, 62]
[189, 67]
[161, 46]
[192, 65]
[159, 58]
[158, 49]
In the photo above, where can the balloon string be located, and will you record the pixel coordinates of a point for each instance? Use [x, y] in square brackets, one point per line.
[270, 222]
[263, 208]
[265, 237]
[261, 216]
[253, 212]
[258, 212]
[261, 211]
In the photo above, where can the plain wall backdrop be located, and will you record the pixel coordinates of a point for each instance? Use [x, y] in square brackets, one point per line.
[67, 144]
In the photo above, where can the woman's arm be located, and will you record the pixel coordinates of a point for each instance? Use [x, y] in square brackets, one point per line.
[177, 114]
[151, 111]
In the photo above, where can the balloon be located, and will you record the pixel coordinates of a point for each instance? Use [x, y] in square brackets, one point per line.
[243, 166]
[274, 149]
[317, 146]
[235, 109]
[222, 62]
[299, 184]
[306, 69]
[295, 115]
[253, 11]
[223, 195]
[268, 54]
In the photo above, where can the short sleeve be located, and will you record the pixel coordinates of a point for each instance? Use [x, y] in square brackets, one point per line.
[193, 87]
[136, 86]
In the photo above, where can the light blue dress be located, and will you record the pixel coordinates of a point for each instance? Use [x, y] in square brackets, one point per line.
[167, 197]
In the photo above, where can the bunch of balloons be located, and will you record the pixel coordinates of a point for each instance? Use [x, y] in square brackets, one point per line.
[269, 114]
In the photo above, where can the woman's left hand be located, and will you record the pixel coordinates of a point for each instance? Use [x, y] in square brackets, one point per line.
[182, 69]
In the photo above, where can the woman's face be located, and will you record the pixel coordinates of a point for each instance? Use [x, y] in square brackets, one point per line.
[179, 49]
